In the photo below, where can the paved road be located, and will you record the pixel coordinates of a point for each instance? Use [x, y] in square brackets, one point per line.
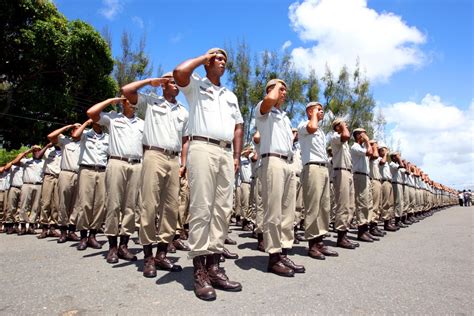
[425, 269]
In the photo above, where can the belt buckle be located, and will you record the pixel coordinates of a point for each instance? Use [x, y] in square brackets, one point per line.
[130, 160]
[223, 144]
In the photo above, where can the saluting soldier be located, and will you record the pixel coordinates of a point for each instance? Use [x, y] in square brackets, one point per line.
[4, 186]
[67, 181]
[215, 131]
[315, 181]
[165, 142]
[122, 175]
[91, 194]
[13, 197]
[376, 190]
[278, 179]
[387, 196]
[396, 168]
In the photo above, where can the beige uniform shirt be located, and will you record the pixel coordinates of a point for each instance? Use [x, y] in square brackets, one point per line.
[374, 169]
[5, 180]
[341, 153]
[52, 161]
[213, 110]
[94, 148]
[165, 123]
[17, 175]
[313, 146]
[275, 131]
[125, 134]
[385, 171]
[71, 151]
[33, 170]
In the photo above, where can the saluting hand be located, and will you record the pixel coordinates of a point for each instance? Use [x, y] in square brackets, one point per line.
[156, 82]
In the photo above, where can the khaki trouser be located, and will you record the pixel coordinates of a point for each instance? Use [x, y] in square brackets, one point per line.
[344, 195]
[279, 198]
[362, 198]
[398, 199]
[332, 212]
[387, 200]
[406, 199]
[211, 178]
[316, 198]
[245, 201]
[67, 190]
[237, 201]
[299, 204]
[90, 202]
[3, 205]
[412, 200]
[257, 193]
[122, 181]
[183, 209]
[29, 202]
[160, 193]
[49, 200]
[13, 204]
[376, 191]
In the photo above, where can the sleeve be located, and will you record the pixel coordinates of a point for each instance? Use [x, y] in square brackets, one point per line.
[302, 128]
[238, 116]
[62, 140]
[191, 87]
[105, 118]
[358, 150]
[259, 115]
[335, 139]
[142, 103]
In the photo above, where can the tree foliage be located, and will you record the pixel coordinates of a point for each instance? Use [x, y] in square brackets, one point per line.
[52, 69]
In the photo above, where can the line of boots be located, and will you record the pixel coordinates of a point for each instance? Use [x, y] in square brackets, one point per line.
[48, 231]
[208, 276]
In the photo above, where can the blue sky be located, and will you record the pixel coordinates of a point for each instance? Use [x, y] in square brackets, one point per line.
[418, 54]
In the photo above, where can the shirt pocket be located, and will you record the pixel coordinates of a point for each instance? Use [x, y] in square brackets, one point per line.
[179, 122]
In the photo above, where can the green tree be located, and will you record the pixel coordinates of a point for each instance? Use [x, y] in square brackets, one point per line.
[51, 70]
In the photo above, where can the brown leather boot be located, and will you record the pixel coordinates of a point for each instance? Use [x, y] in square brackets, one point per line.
[9, 228]
[180, 245]
[63, 235]
[362, 234]
[277, 267]
[83, 242]
[162, 262]
[325, 249]
[202, 285]
[31, 229]
[296, 240]
[16, 228]
[149, 269]
[44, 232]
[22, 229]
[230, 241]
[342, 241]
[71, 236]
[313, 250]
[229, 255]
[388, 226]
[112, 256]
[298, 268]
[260, 243]
[92, 241]
[123, 252]
[53, 232]
[171, 248]
[375, 231]
[218, 277]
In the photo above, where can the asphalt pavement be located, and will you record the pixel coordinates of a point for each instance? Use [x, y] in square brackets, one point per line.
[424, 269]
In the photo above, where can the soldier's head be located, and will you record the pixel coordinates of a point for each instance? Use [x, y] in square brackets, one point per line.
[170, 89]
[272, 84]
[216, 66]
[357, 134]
[315, 108]
[338, 124]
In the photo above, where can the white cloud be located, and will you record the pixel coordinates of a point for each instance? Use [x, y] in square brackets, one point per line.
[343, 30]
[138, 21]
[286, 45]
[436, 136]
[111, 8]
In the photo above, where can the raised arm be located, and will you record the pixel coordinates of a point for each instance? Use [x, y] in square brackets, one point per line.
[182, 73]
[40, 154]
[130, 91]
[20, 156]
[271, 99]
[345, 134]
[375, 151]
[366, 140]
[313, 123]
[94, 111]
[78, 131]
[53, 136]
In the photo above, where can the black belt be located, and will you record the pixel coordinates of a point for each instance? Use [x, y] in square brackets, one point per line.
[397, 183]
[129, 160]
[376, 180]
[347, 169]
[362, 174]
[15, 186]
[247, 182]
[275, 155]
[68, 170]
[34, 183]
[161, 150]
[384, 181]
[93, 167]
[51, 174]
[220, 143]
[322, 164]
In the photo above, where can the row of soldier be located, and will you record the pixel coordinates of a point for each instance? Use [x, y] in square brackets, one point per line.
[138, 172]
